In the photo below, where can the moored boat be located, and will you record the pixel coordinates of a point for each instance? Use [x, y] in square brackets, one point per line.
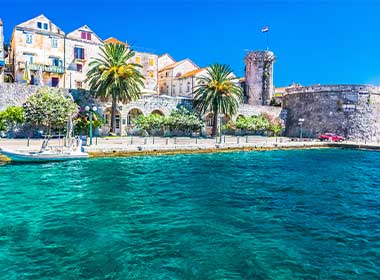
[72, 149]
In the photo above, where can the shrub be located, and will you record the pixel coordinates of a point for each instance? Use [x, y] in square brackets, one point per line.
[11, 118]
[82, 121]
[48, 109]
[179, 120]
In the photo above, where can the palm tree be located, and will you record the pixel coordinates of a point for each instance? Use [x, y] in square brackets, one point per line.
[218, 92]
[113, 76]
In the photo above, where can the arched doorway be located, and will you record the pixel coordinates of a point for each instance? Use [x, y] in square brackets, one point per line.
[158, 112]
[132, 114]
[209, 119]
[107, 114]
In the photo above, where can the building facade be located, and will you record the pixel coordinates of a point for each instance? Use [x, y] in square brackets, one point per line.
[2, 53]
[38, 46]
[169, 75]
[81, 46]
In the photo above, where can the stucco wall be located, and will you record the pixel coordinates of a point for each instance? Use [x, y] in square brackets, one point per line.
[352, 111]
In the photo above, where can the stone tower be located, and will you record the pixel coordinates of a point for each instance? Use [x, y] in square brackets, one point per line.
[259, 77]
[2, 54]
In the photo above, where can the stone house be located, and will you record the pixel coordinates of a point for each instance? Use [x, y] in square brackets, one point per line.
[81, 46]
[2, 61]
[149, 66]
[39, 43]
[169, 74]
[187, 82]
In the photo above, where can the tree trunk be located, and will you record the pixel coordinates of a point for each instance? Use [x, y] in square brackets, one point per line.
[113, 116]
[215, 124]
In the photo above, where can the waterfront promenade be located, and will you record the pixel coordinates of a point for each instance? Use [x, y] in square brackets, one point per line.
[133, 145]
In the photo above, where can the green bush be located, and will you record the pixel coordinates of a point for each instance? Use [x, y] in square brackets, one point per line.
[82, 122]
[48, 109]
[256, 124]
[179, 120]
[11, 118]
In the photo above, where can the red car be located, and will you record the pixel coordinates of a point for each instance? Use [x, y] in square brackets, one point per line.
[331, 137]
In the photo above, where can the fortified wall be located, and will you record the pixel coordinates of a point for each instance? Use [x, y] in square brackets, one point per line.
[259, 77]
[352, 111]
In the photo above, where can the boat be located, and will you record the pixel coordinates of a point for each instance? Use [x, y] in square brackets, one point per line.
[70, 150]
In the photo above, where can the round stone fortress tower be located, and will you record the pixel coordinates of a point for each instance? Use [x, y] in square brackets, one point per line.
[259, 77]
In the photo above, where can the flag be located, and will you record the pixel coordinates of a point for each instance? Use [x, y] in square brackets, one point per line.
[26, 76]
[265, 29]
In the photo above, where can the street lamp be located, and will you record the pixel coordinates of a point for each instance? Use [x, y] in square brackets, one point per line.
[91, 110]
[300, 123]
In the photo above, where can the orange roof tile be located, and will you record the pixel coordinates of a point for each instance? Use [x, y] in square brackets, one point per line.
[114, 41]
[191, 73]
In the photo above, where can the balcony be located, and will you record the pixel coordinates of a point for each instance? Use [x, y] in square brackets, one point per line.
[47, 68]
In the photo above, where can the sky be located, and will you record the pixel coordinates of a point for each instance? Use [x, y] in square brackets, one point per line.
[315, 42]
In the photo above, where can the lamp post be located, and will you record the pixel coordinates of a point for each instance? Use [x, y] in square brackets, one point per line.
[91, 110]
[300, 123]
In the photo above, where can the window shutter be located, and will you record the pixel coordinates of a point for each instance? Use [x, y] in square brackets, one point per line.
[88, 36]
[75, 52]
[82, 53]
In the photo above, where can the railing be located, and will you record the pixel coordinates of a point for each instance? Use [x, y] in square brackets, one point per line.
[47, 68]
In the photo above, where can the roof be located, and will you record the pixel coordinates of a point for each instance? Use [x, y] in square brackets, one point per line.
[191, 73]
[171, 66]
[167, 55]
[113, 40]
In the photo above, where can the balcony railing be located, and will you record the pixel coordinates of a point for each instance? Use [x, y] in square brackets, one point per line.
[47, 68]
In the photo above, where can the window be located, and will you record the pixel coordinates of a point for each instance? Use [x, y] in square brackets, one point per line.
[117, 123]
[32, 80]
[78, 53]
[173, 90]
[151, 74]
[55, 61]
[54, 42]
[54, 82]
[85, 35]
[45, 26]
[138, 60]
[29, 58]
[29, 38]
[78, 84]
[180, 88]
[166, 74]
[151, 62]
[79, 67]
[39, 25]
[188, 87]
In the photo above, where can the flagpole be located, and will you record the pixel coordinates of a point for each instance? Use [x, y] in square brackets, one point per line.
[267, 40]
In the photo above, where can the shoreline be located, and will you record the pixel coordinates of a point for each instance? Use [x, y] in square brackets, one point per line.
[158, 151]
[122, 148]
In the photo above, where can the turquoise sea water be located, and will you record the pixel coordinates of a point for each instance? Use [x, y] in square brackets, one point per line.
[312, 214]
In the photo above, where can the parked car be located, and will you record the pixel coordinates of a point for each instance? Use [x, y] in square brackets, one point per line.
[331, 137]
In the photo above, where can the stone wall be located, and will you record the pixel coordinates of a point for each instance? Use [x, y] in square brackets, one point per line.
[247, 110]
[352, 111]
[16, 94]
[259, 77]
[13, 94]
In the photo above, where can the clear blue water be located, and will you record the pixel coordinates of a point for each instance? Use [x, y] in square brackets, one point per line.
[312, 214]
